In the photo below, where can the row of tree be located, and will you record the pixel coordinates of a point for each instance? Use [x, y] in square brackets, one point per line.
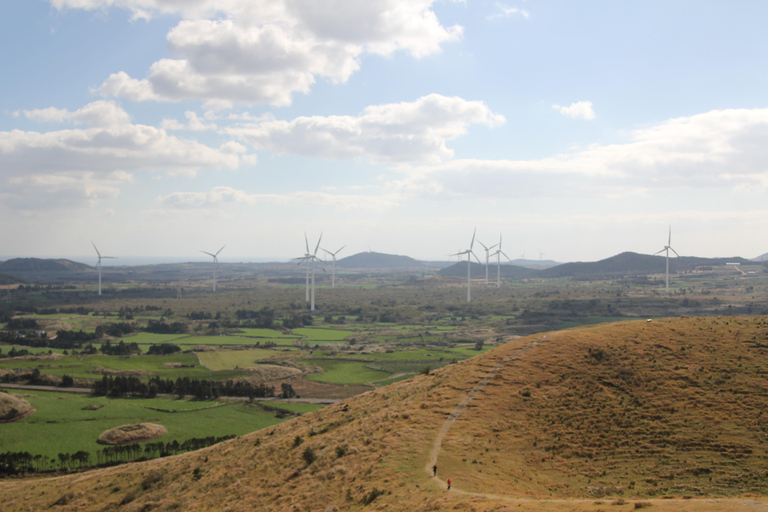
[12, 463]
[201, 389]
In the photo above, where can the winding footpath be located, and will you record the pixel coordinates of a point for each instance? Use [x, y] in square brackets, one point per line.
[746, 503]
[479, 387]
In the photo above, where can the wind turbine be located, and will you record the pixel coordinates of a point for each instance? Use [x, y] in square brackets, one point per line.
[469, 254]
[311, 257]
[215, 263]
[487, 258]
[98, 264]
[668, 248]
[333, 272]
[498, 254]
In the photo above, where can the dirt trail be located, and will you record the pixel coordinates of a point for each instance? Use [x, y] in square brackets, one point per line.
[480, 385]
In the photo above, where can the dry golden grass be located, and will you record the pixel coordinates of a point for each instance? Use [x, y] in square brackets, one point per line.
[666, 415]
[13, 408]
[134, 433]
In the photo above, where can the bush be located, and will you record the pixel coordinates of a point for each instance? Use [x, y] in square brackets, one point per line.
[368, 498]
[309, 455]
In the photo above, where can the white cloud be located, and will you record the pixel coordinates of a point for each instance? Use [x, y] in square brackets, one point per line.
[222, 197]
[264, 51]
[80, 166]
[721, 148]
[98, 113]
[57, 191]
[507, 12]
[194, 123]
[578, 110]
[398, 132]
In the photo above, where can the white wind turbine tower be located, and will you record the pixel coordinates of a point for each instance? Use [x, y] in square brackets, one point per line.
[311, 257]
[333, 272]
[487, 258]
[498, 254]
[469, 254]
[668, 248]
[215, 263]
[98, 264]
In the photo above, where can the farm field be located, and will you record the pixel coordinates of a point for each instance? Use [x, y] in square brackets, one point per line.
[221, 360]
[344, 372]
[61, 423]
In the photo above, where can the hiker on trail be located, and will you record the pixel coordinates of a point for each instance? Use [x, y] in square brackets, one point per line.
[434, 470]
[449, 484]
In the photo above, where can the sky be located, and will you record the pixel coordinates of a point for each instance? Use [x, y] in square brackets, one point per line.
[572, 131]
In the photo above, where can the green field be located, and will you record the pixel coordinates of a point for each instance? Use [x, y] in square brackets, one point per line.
[317, 334]
[344, 372]
[61, 425]
[90, 367]
[230, 359]
[265, 333]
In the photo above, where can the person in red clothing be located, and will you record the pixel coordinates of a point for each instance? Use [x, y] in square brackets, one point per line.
[449, 484]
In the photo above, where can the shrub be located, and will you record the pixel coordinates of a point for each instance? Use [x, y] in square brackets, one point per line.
[309, 455]
[368, 498]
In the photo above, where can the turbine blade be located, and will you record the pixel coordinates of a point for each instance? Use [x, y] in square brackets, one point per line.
[661, 251]
[222, 248]
[473, 239]
[209, 254]
[318, 243]
[674, 251]
[94, 246]
[337, 252]
[306, 242]
[475, 255]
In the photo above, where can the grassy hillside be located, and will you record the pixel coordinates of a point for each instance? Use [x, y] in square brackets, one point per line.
[608, 417]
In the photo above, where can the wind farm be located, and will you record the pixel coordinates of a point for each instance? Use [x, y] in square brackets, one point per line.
[98, 263]
[215, 257]
[309, 259]
[666, 250]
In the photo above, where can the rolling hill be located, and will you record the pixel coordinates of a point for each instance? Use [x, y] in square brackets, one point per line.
[25, 265]
[614, 416]
[377, 260]
[477, 270]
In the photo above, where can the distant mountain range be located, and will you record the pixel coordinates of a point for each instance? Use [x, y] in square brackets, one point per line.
[626, 263]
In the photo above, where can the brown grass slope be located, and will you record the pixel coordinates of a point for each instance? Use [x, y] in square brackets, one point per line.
[608, 417]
